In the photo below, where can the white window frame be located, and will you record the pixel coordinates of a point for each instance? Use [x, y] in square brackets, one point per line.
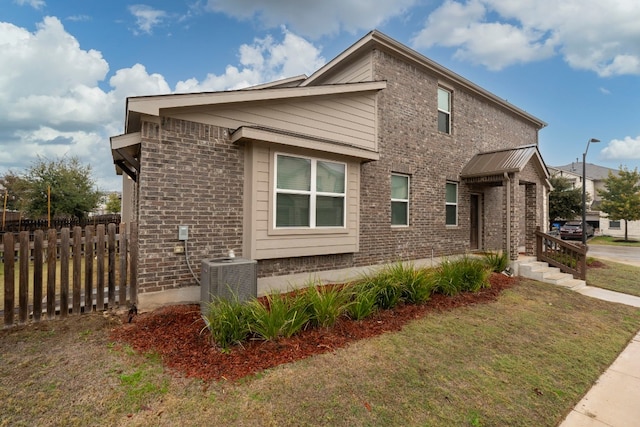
[447, 112]
[406, 201]
[451, 203]
[312, 193]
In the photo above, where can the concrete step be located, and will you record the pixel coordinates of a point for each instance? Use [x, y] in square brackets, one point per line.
[542, 272]
[538, 270]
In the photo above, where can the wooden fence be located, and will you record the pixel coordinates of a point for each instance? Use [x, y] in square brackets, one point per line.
[16, 225]
[74, 252]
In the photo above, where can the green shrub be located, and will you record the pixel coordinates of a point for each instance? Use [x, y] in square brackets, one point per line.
[387, 288]
[227, 322]
[325, 304]
[497, 261]
[463, 274]
[417, 284]
[363, 301]
[281, 316]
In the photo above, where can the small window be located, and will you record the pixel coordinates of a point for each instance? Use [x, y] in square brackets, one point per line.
[309, 193]
[444, 110]
[614, 224]
[451, 204]
[399, 199]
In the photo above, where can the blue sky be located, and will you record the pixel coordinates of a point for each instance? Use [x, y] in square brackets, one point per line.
[66, 67]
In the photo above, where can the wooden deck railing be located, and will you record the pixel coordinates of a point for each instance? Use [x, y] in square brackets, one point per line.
[568, 257]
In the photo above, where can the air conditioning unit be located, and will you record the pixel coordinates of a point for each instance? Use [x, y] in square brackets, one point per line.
[226, 277]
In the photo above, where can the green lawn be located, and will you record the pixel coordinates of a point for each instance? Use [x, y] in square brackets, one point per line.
[625, 278]
[523, 360]
[615, 241]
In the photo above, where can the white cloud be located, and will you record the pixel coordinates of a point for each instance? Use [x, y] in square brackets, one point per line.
[625, 149]
[64, 111]
[264, 60]
[314, 18]
[36, 4]
[589, 34]
[147, 17]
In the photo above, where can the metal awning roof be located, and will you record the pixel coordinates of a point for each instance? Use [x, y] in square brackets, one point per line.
[494, 164]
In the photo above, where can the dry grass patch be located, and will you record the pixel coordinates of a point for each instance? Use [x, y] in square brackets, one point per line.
[525, 359]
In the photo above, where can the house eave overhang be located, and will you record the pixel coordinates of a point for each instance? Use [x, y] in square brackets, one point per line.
[125, 150]
[153, 105]
[492, 166]
[249, 133]
[376, 39]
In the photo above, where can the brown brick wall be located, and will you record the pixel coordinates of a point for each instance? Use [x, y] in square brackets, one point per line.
[190, 174]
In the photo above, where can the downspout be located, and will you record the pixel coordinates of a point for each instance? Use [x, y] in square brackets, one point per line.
[508, 230]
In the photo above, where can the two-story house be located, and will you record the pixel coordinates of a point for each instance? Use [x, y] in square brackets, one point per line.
[379, 156]
[595, 178]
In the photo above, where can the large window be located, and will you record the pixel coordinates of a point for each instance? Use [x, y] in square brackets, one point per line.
[614, 224]
[399, 199]
[309, 192]
[452, 204]
[444, 110]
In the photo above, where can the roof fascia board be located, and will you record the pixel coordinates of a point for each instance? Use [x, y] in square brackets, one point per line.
[126, 140]
[248, 133]
[376, 38]
[152, 105]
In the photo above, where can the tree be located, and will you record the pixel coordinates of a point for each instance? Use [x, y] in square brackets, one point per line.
[73, 192]
[113, 204]
[15, 188]
[621, 197]
[564, 201]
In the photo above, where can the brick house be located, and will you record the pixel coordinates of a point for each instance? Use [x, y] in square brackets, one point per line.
[381, 155]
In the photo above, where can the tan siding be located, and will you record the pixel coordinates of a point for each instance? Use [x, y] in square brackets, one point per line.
[358, 71]
[269, 243]
[347, 118]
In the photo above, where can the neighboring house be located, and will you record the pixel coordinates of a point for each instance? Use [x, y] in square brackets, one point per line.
[379, 156]
[595, 179]
[101, 209]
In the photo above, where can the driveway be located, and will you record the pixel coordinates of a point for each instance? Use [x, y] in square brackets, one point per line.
[622, 254]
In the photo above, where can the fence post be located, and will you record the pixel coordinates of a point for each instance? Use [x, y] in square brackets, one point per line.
[23, 287]
[9, 277]
[122, 283]
[52, 261]
[88, 269]
[38, 243]
[111, 244]
[100, 267]
[64, 272]
[77, 265]
[133, 268]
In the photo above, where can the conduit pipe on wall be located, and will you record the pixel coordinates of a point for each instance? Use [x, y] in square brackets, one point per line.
[508, 229]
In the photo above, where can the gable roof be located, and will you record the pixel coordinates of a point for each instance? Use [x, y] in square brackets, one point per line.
[497, 163]
[377, 40]
[593, 172]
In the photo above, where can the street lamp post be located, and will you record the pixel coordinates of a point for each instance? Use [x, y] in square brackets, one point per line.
[584, 191]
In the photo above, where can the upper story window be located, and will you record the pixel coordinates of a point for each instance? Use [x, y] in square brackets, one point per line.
[399, 199]
[444, 110]
[309, 192]
[451, 204]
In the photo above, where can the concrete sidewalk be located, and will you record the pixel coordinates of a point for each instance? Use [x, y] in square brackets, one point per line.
[614, 400]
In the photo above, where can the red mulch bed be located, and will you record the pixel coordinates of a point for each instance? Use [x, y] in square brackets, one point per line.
[174, 332]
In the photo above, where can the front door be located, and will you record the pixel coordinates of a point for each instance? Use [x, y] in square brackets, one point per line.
[474, 222]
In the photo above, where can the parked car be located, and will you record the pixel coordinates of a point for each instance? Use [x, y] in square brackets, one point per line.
[573, 230]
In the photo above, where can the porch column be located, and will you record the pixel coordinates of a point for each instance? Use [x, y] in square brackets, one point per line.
[510, 208]
[531, 205]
